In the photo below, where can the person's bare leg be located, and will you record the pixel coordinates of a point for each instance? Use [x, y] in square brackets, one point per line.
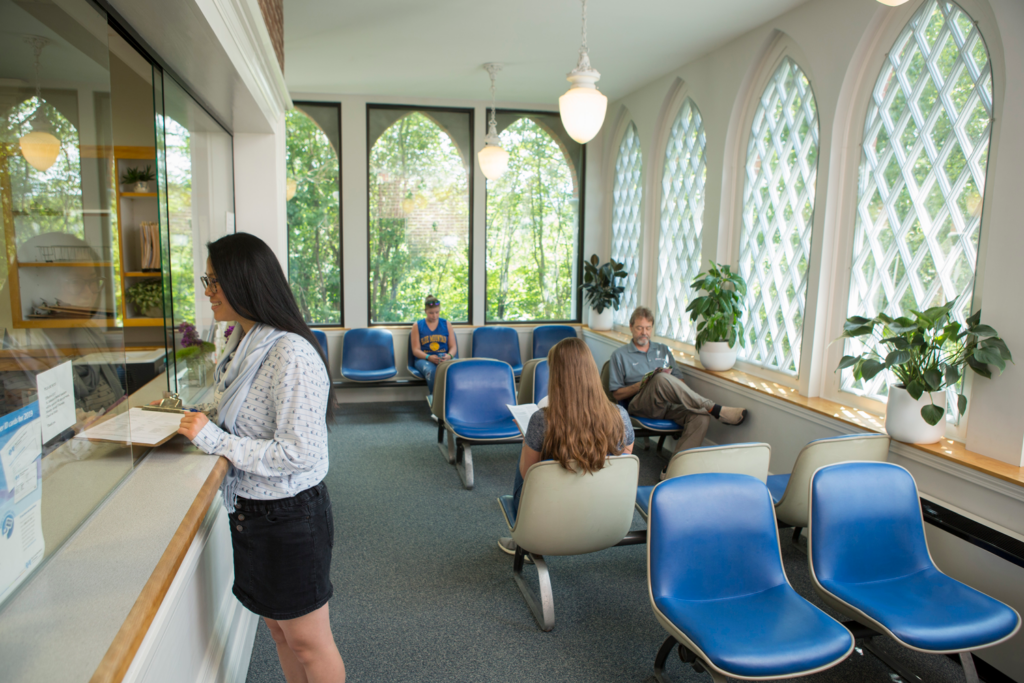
[294, 672]
[312, 643]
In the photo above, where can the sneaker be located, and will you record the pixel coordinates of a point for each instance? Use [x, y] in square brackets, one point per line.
[663, 475]
[732, 416]
[509, 546]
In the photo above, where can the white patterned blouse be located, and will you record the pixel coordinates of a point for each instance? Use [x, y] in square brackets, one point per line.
[280, 447]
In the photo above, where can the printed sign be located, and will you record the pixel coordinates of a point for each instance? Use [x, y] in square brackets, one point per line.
[21, 495]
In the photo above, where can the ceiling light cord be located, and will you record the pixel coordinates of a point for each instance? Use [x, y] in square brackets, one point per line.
[494, 106]
[38, 43]
[583, 65]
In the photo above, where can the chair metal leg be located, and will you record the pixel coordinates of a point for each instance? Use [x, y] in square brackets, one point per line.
[685, 656]
[543, 610]
[796, 534]
[647, 443]
[464, 463]
[661, 442]
[638, 537]
[897, 668]
[447, 451]
[967, 660]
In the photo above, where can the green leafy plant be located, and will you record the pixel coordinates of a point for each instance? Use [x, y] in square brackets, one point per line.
[599, 283]
[145, 295]
[721, 308]
[927, 351]
[135, 175]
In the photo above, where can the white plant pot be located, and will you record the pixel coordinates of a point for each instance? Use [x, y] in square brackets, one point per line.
[903, 420]
[604, 320]
[142, 186]
[717, 356]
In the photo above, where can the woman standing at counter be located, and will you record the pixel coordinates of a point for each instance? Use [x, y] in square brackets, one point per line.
[273, 398]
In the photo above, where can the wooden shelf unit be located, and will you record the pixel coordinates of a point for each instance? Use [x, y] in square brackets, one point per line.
[129, 243]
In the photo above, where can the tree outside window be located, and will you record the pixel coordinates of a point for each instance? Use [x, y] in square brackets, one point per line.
[419, 214]
[532, 229]
[314, 216]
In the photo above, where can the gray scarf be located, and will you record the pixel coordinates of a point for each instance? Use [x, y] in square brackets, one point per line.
[235, 373]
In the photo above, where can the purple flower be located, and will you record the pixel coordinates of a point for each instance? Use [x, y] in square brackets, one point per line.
[227, 332]
[189, 335]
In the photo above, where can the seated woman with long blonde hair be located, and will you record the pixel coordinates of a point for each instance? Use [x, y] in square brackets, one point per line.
[579, 425]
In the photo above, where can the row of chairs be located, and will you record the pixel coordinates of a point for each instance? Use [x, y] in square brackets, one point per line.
[368, 354]
[715, 576]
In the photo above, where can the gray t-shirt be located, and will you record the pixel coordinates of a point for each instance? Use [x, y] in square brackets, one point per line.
[628, 365]
[535, 431]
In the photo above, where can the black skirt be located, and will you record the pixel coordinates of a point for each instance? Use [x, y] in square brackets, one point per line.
[282, 552]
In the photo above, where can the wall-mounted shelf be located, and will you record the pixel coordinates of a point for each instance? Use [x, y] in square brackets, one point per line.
[154, 273]
[143, 322]
[64, 264]
[137, 194]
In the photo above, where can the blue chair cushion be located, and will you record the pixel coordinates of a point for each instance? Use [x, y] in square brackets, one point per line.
[499, 343]
[411, 360]
[735, 636]
[491, 429]
[509, 510]
[656, 425]
[546, 336]
[369, 375]
[368, 355]
[930, 611]
[540, 381]
[643, 497]
[321, 338]
[777, 484]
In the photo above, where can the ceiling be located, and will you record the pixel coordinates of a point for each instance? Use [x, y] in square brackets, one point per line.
[436, 48]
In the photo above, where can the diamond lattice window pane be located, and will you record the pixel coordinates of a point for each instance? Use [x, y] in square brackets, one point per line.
[682, 218]
[919, 201]
[627, 195]
[778, 212]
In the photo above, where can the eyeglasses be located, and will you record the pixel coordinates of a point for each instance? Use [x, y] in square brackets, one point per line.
[208, 282]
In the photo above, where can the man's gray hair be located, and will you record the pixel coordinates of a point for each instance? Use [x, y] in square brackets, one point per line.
[641, 312]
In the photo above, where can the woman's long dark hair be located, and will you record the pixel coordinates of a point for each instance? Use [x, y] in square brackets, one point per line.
[251, 278]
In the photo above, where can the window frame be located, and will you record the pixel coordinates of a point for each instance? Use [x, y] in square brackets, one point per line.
[626, 121]
[471, 173]
[841, 215]
[580, 223]
[341, 220]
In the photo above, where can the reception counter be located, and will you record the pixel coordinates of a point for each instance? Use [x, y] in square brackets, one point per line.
[142, 591]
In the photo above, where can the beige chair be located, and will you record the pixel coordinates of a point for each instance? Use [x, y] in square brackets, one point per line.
[790, 491]
[737, 458]
[563, 512]
[437, 409]
[528, 381]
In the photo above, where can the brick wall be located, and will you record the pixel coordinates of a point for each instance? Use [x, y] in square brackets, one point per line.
[273, 17]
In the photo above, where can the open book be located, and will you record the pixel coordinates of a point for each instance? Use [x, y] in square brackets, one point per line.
[522, 414]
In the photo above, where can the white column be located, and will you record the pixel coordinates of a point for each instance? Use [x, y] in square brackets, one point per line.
[260, 204]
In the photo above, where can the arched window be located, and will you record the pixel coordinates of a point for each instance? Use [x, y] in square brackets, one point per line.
[627, 196]
[778, 212]
[314, 217]
[419, 214]
[532, 229]
[682, 218]
[922, 174]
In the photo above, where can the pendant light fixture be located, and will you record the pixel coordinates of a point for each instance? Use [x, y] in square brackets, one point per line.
[40, 147]
[894, 3]
[583, 106]
[493, 159]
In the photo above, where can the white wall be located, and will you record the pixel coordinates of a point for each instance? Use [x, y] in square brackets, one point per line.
[840, 45]
[260, 205]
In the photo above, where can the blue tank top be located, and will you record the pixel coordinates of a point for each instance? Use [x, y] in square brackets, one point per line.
[436, 342]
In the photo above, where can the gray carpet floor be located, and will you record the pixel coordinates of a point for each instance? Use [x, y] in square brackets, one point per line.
[422, 592]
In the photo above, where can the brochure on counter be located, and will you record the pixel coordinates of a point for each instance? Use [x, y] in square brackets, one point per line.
[21, 495]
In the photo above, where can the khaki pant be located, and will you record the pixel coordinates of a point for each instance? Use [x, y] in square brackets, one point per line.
[668, 398]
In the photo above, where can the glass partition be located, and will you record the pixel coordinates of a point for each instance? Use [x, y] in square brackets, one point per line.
[103, 224]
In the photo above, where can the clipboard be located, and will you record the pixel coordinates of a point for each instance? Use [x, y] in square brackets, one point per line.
[137, 427]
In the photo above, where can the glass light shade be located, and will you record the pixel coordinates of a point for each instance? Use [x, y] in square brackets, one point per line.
[40, 149]
[582, 111]
[893, 3]
[291, 187]
[493, 161]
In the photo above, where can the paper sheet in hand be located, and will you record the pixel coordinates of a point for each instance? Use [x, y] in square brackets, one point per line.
[522, 415]
[144, 427]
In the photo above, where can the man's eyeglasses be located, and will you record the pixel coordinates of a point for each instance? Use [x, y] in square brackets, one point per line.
[208, 282]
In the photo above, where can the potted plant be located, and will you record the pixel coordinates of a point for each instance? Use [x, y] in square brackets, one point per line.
[196, 353]
[602, 294]
[136, 179]
[720, 311]
[927, 352]
[147, 297]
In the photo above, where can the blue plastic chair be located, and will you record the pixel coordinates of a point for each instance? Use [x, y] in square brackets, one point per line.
[477, 392]
[368, 355]
[411, 360]
[716, 583]
[499, 343]
[321, 338]
[533, 385]
[642, 426]
[546, 336]
[869, 559]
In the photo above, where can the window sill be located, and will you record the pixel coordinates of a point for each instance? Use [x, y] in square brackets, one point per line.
[947, 449]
